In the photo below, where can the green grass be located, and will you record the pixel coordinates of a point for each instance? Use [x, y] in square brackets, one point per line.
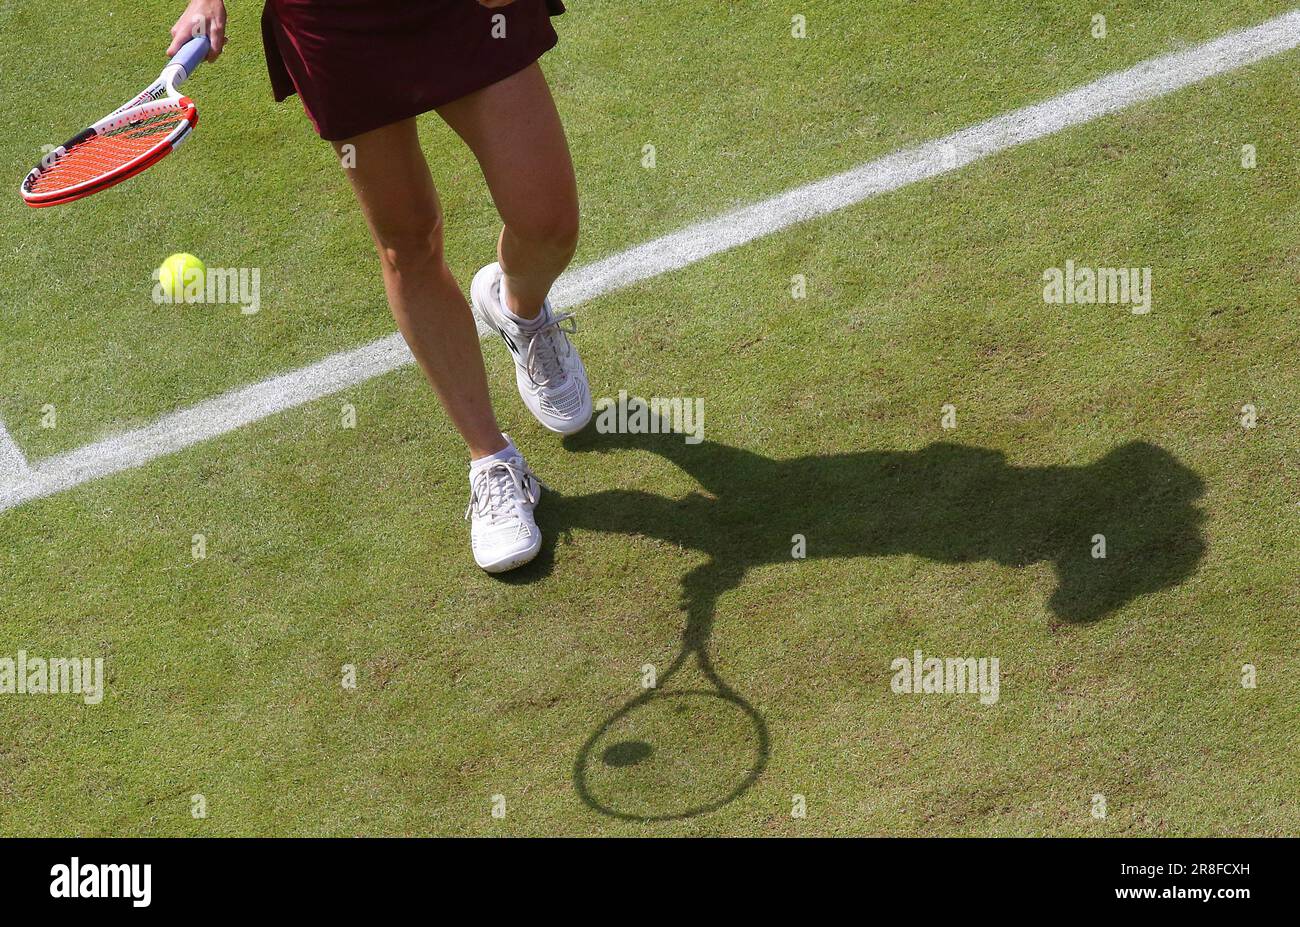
[329, 546]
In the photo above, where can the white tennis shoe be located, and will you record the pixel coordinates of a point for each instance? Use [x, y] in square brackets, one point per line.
[548, 371]
[502, 495]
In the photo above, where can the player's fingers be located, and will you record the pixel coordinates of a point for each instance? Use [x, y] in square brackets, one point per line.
[178, 39]
[217, 36]
[186, 28]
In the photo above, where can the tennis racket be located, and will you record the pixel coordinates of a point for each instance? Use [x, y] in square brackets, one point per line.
[135, 136]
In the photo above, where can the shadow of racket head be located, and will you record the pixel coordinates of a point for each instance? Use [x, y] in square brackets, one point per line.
[673, 754]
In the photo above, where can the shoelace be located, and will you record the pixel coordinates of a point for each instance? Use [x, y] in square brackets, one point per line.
[553, 336]
[492, 492]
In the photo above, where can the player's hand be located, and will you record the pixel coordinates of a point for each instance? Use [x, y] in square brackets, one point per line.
[201, 17]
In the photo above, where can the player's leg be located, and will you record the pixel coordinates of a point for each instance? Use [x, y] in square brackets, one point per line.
[391, 179]
[392, 182]
[514, 131]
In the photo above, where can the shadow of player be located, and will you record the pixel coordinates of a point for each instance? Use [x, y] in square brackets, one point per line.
[946, 502]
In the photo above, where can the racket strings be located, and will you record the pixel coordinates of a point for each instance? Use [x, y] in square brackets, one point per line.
[105, 153]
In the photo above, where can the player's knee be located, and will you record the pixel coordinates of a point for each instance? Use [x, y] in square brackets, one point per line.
[414, 241]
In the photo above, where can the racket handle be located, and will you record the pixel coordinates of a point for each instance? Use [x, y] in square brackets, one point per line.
[191, 53]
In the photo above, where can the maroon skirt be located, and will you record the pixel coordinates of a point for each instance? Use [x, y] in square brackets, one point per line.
[362, 64]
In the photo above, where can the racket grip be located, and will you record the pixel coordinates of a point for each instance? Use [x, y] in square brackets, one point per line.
[191, 53]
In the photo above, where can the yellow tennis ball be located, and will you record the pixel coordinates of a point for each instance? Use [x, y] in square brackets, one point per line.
[181, 274]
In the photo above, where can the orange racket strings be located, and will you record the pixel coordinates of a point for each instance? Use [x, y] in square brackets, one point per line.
[103, 154]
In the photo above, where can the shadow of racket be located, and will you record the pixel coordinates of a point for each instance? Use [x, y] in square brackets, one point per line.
[671, 753]
[687, 746]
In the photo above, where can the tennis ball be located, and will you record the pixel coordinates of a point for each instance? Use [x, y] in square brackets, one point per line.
[181, 273]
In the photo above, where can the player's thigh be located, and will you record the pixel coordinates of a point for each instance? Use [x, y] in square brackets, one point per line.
[514, 130]
[390, 176]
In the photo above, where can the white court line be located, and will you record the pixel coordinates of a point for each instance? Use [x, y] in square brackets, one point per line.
[224, 413]
[13, 465]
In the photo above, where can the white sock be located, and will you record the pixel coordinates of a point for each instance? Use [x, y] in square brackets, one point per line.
[504, 454]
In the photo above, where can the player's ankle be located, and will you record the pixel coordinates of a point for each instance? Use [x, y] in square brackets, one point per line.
[487, 447]
[519, 310]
